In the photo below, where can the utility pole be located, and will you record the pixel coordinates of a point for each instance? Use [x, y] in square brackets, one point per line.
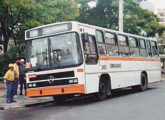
[121, 8]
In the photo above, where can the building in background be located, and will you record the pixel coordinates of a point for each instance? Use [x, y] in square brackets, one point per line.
[161, 15]
[148, 5]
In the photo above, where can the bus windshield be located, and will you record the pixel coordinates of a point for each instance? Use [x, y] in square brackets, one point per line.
[55, 51]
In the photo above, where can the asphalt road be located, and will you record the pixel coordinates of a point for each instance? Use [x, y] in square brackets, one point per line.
[124, 105]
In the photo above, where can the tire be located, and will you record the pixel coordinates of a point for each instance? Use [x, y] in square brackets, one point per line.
[102, 94]
[59, 99]
[143, 85]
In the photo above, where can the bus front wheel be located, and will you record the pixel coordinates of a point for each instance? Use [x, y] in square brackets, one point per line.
[101, 95]
[59, 99]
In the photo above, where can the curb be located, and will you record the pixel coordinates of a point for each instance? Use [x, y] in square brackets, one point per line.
[36, 104]
[8, 108]
[24, 106]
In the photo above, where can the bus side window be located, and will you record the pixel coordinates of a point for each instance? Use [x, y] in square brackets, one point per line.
[154, 49]
[100, 43]
[111, 44]
[134, 50]
[91, 51]
[123, 45]
[142, 46]
[149, 48]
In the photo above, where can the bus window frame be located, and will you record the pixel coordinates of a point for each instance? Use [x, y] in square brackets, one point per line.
[149, 41]
[116, 42]
[102, 43]
[140, 48]
[137, 46]
[155, 56]
[127, 44]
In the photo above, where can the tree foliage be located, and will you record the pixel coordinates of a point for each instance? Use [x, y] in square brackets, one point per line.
[6, 59]
[12, 14]
[136, 20]
[18, 15]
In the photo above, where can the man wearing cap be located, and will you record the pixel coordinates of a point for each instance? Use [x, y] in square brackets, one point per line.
[22, 80]
[16, 71]
[10, 80]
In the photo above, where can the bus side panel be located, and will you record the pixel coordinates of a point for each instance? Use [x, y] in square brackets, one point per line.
[125, 74]
[153, 71]
[92, 83]
[153, 76]
[124, 79]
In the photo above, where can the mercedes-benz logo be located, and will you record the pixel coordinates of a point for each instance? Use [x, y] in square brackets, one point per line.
[51, 78]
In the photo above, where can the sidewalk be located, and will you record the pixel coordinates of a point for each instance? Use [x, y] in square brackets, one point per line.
[21, 101]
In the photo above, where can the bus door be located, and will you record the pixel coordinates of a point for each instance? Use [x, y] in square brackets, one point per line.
[91, 61]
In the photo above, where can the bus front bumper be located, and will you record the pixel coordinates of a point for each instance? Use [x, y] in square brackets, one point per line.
[56, 90]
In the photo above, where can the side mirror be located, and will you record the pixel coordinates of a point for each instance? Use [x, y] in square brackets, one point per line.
[85, 39]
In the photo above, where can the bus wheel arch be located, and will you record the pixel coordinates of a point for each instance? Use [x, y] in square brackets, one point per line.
[105, 83]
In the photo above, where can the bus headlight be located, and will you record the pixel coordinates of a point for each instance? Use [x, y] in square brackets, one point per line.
[34, 84]
[71, 81]
[75, 80]
[30, 85]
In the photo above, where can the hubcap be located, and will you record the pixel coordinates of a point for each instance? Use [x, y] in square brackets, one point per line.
[143, 81]
[102, 88]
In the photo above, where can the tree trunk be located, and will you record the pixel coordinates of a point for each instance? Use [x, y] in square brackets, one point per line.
[5, 37]
[6, 40]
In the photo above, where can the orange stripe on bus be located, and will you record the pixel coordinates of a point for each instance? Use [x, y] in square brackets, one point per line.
[57, 90]
[128, 59]
[80, 70]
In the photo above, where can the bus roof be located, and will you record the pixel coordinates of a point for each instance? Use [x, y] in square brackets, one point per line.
[92, 26]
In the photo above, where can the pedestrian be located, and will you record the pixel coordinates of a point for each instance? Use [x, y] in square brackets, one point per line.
[22, 80]
[16, 71]
[10, 80]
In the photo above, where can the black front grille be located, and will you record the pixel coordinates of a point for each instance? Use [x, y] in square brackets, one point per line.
[54, 75]
[53, 83]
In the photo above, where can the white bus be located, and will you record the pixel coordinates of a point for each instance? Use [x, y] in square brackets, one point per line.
[72, 58]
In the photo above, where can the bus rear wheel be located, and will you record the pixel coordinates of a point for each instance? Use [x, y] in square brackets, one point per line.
[143, 85]
[102, 94]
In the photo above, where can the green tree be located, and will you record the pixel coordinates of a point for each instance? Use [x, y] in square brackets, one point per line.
[12, 14]
[136, 19]
[18, 15]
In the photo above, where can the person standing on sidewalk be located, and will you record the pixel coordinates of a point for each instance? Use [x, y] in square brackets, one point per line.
[16, 71]
[10, 80]
[22, 80]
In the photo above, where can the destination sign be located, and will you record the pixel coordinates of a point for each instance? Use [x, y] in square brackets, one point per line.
[48, 30]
